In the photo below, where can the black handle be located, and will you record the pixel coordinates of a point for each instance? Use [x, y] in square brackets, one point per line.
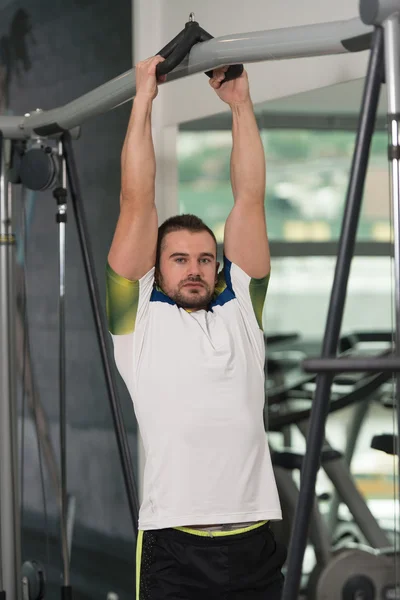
[178, 48]
[172, 53]
[233, 72]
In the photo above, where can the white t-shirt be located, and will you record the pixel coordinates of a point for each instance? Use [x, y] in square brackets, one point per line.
[196, 380]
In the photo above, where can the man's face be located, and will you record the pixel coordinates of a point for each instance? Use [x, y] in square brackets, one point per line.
[188, 268]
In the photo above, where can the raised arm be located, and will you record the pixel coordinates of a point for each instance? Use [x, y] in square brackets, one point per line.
[133, 250]
[245, 240]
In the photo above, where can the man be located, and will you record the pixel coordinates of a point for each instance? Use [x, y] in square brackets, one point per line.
[189, 344]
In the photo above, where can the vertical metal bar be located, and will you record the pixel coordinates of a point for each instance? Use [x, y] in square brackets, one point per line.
[392, 74]
[17, 474]
[10, 545]
[320, 407]
[61, 196]
[14, 403]
[101, 330]
[62, 388]
[70, 502]
[5, 241]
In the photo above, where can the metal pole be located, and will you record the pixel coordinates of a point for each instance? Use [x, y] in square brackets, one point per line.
[101, 330]
[10, 544]
[4, 241]
[13, 399]
[60, 195]
[320, 39]
[392, 74]
[321, 402]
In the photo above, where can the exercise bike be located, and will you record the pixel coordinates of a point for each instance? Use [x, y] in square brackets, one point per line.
[353, 571]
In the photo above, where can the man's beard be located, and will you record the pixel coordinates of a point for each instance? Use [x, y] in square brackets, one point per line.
[188, 297]
[195, 298]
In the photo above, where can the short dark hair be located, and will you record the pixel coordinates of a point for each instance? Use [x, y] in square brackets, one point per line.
[179, 223]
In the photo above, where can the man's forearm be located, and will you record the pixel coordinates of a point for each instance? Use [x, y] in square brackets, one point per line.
[247, 159]
[138, 165]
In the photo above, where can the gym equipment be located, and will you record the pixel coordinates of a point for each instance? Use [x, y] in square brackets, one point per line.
[33, 581]
[39, 129]
[386, 442]
[349, 570]
[386, 45]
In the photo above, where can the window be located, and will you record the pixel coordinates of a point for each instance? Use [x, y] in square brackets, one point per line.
[299, 292]
[307, 177]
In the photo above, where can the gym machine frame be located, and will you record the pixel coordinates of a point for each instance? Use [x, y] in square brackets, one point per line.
[186, 56]
[362, 568]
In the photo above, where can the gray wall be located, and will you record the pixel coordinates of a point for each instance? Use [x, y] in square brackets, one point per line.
[52, 51]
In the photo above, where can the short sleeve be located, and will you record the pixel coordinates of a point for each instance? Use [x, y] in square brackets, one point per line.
[258, 291]
[249, 292]
[127, 301]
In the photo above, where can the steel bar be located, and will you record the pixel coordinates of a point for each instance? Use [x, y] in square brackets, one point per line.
[10, 551]
[320, 39]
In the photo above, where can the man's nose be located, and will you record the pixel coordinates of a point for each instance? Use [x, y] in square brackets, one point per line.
[194, 268]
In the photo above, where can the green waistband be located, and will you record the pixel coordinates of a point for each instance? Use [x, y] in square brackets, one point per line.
[220, 533]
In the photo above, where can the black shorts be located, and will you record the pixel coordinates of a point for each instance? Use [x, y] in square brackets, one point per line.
[185, 564]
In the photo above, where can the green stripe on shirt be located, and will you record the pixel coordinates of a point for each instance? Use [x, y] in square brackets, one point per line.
[220, 286]
[258, 290]
[122, 301]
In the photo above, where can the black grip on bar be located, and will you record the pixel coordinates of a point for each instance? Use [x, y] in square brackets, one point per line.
[233, 72]
[178, 48]
[169, 49]
[2, 596]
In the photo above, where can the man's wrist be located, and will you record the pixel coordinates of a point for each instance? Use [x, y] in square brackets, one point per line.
[240, 107]
[143, 99]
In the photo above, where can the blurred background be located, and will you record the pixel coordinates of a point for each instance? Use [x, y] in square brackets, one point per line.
[52, 52]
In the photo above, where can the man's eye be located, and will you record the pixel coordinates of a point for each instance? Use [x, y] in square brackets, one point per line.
[180, 260]
[205, 260]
